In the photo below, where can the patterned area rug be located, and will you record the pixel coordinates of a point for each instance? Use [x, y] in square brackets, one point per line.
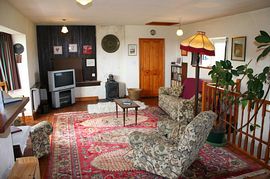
[95, 146]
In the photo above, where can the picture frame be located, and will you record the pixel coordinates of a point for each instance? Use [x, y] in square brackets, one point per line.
[57, 50]
[132, 49]
[87, 49]
[238, 52]
[72, 48]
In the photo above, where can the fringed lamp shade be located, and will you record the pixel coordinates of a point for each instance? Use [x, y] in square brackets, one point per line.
[198, 43]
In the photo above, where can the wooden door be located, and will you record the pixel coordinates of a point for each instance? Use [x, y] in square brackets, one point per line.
[151, 66]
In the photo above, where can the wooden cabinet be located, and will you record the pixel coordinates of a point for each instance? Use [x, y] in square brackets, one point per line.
[178, 74]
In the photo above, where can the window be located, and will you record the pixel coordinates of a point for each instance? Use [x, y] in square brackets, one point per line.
[220, 44]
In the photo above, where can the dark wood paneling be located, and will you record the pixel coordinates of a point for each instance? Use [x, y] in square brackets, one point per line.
[50, 36]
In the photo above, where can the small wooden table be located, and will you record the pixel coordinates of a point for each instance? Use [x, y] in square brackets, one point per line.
[120, 102]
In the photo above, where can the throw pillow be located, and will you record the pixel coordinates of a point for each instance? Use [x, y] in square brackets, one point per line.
[176, 91]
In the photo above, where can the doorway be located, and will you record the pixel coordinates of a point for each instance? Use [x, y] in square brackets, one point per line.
[151, 66]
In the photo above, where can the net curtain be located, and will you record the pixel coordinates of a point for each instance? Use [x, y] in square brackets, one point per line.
[8, 66]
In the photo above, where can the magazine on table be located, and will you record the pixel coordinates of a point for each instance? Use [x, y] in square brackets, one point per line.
[127, 102]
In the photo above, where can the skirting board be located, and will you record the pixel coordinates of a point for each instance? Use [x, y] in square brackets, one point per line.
[91, 98]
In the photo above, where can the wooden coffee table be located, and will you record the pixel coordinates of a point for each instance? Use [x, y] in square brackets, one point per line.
[125, 107]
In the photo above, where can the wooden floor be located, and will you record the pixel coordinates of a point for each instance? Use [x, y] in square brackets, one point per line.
[82, 106]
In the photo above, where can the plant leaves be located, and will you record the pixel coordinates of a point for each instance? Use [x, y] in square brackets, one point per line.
[249, 71]
[251, 127]
[244, 103]
[234, 72]
[263, 33]
[266, 70]
[241, 68]
[262, 38]
[264, 53]
[263, 45]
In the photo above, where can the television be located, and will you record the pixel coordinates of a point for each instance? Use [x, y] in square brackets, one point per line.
[61, 79]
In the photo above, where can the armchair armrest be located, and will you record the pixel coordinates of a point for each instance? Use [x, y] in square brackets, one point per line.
[43, 126]
[164, 90]
[153, 142]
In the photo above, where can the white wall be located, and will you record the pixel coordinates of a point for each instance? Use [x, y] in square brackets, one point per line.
[6, 154]
[131, 63]
[12, 20]
[24, 32]
[126, 68]
[246, 24]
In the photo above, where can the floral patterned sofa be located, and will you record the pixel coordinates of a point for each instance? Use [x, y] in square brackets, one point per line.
[39, 135]
[178, 102]
[171, 156]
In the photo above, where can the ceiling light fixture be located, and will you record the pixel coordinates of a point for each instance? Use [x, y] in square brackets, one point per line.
[84, 2]
[64, 28]
[179, 31]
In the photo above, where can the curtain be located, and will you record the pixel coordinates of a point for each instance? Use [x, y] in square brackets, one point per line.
[8, 66]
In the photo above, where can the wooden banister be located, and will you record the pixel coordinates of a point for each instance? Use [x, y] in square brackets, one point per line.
[256, 143]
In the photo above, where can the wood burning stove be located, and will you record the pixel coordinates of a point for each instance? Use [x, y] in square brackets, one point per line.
[112, 88]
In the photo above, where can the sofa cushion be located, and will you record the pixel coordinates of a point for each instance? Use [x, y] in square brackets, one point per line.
[176, 91]
[190, 88]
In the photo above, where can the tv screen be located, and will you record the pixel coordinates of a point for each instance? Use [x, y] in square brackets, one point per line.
[61, 79]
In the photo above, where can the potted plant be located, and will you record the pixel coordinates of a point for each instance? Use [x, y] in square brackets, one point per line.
[223, 75]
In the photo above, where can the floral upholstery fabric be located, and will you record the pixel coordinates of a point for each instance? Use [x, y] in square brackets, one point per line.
[170, 128]
[176, 91]
[39, 135]
[177, 108]
[171, 157]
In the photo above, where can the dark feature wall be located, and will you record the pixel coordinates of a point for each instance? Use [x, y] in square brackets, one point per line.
[50, 36]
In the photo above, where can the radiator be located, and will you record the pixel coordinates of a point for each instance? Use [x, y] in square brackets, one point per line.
[35, 98]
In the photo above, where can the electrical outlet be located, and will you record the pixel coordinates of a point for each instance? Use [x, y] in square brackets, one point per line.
[93, 74]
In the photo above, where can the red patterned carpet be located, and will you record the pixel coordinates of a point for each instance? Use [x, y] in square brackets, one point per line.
[96, 146]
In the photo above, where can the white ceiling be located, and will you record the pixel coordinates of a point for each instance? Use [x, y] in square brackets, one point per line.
[132, 12]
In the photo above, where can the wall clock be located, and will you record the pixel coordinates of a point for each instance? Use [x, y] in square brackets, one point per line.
[153, 32]
[110, 43]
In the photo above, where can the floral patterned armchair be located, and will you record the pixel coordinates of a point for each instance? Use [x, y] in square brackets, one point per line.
[171, 156]
[39, 135]
[178, 102]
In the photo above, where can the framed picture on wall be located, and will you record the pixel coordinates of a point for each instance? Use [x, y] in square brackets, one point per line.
[57, 50]
[132, 49]
[238, 52]
[72, 48]
[87, 49]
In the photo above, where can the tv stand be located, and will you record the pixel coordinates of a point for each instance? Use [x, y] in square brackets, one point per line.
[63, 98]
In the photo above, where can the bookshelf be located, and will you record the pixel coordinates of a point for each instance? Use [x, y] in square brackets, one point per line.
[178, 73]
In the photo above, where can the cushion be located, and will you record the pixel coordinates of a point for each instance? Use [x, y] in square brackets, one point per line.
[190, 88]
[176, 91]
